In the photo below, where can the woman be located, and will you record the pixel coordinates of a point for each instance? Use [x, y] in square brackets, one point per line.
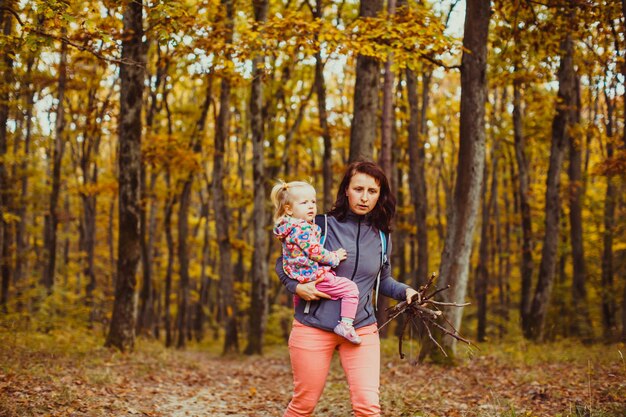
[364, 206]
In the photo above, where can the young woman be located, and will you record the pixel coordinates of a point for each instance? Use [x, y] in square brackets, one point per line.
[364, 206]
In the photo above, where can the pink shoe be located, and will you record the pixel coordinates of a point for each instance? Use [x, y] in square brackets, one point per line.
[347, 331]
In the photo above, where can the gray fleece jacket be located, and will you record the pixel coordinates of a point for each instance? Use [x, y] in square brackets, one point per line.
[363, 245]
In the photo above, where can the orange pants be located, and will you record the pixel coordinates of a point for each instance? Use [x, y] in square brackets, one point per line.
[311, 351]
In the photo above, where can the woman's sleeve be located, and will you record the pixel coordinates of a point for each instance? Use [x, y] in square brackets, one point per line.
[289, 283]
[388, 286]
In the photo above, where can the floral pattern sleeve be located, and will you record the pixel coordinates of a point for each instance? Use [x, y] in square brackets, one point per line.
[307, 237]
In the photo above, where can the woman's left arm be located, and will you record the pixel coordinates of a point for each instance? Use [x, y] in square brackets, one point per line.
[392, 288]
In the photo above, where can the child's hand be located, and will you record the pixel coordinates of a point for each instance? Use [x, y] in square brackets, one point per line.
[342, 254]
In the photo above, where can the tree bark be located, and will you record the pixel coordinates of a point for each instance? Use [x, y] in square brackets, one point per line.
[51, 218]
[320, 90]
[258, 303]
[183, 223]
[169, 271]
[228, 306]
[417, 175]
[5, 196]
[363, 130]
[607, 290]
[481, 283]
[526, 262]
[581, 321]
[20, 234]
[562, 120]
[122, 331]
[387, 110]
[458, 245]
[145, 317]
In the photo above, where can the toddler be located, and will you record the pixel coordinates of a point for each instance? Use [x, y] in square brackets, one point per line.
[304, 258]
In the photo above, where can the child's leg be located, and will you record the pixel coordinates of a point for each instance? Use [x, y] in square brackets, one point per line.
[341, 288]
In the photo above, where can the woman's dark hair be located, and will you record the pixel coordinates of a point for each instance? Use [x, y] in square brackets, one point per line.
[382, 214]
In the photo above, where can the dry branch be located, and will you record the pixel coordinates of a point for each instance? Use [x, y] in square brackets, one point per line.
[417, 310]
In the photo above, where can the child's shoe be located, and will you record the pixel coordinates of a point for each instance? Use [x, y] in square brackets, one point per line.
[347, 331]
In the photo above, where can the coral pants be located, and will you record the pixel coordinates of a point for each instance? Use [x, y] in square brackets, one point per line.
[311, 351]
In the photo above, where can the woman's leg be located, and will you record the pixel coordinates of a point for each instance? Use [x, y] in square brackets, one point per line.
[311, 351]
[361, 364]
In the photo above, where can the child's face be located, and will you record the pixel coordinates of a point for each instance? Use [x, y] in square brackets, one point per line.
[303, 205]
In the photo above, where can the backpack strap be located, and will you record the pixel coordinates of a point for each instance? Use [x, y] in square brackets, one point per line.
[322, 221]
[384, 244]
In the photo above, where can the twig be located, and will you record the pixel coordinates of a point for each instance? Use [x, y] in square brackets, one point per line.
[86, 49]
[416, 309]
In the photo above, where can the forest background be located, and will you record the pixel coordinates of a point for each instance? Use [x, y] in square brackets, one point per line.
[139, 140]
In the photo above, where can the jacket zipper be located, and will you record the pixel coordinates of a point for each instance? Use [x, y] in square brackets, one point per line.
[356, 264]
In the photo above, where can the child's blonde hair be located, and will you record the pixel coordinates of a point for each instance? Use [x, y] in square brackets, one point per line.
[281, 195]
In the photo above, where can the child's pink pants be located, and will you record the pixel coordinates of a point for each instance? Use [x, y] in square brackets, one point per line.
[311, 351]
[341, 288]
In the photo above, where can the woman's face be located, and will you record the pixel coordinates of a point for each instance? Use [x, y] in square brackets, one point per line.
[363, 193]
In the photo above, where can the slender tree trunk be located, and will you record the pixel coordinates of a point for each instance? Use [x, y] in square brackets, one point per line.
[363, 130]
[505, 251]
[481, 283]
[147, 298]
[122, 331]
[51, 219]
[387, 110]
[417, 180]
[20, 236]
[203, 302]
[526, 263]
[228, 306]
[183, 225]
[148, 227]
[562, 120]
[258, 304]
[607, 290]
[320, 89]
[581, 321]
[458, 245]
[5, 196]
[169, 271]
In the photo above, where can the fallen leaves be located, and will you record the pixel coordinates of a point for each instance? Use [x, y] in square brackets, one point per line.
[185, 383]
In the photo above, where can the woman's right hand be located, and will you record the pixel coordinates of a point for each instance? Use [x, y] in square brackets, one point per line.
[308, 292]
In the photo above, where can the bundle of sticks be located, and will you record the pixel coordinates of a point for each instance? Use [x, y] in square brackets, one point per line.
[425, 309]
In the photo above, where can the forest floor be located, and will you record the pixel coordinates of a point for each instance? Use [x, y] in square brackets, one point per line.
[69, 373]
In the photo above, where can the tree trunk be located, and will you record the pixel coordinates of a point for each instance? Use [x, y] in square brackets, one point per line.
[258, 303]
[581, 321]
[387, 110]
[458, 245]
[205, 280]
[51, 218]
[526, 263]
[417, 175]
[5, 196]
[363, 130]
[20, 234]
[607, 290]
[562, 120]
[145, 318]
[183, 224]
[169, 271]
[122, 330]
[228, 306]
[481, 283]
